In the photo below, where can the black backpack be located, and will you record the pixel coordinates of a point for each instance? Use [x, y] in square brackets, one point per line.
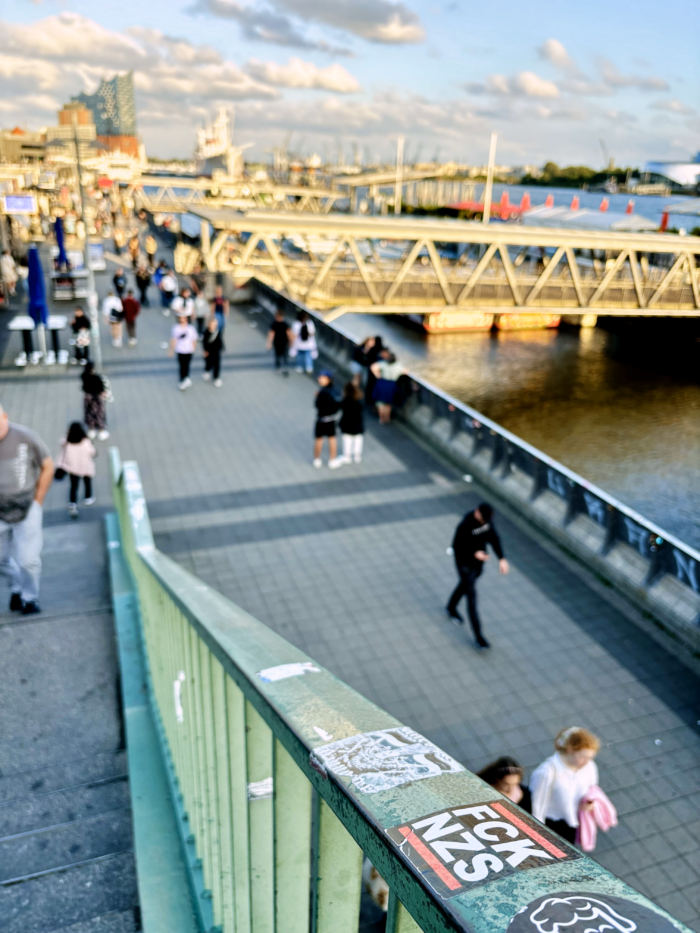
[304, 332]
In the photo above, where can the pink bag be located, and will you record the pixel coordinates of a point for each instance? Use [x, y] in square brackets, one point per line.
[602, 816]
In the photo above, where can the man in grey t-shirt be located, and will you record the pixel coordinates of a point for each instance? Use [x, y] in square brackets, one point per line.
[26, 472]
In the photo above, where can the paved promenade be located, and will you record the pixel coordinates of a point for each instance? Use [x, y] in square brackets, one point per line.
[350, 565]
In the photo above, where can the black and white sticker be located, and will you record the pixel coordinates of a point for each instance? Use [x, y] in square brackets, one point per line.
[578, 912]
[380, 760]
[462, 847]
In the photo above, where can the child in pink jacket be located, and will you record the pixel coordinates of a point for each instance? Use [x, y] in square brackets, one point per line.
[78, 460]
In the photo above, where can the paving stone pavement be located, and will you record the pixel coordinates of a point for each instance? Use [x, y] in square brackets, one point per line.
[350, 565]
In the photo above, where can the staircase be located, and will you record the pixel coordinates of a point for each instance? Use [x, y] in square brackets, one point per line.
[66, 848]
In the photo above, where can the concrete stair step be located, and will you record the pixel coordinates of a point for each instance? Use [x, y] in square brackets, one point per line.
[65, 774]
[71, 895]
[67, 805]
[65, 844]
[123, 921]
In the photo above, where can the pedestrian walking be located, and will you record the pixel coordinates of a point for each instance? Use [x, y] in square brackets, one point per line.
[386, 371]
[26, 472]
[183, 341]
[220, 307]
[506, 776]
[201, 310]
[119, 282]
[9, 272]
[326, 416]
[168, 290]
[78, 460]
[279, 338]
[143, 280]
[304, 349]
[198, 280]
[119, 239]
[560, 785]
[80, 325]
[159, 273]
[131, 309]
[134, 250]
[213, 347]
[151, 249]
[113, 311]
[94, 403]
[352, 426]
[474, 533]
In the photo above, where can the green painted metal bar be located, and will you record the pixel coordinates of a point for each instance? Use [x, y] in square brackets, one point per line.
[398, 919]
[221, 737]
[212, 786]
[259, 750]
[292, 803]
[314, 716]
[339, 876]
[235, 710]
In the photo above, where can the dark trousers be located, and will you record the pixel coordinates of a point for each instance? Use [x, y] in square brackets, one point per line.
[467, 587]
[562, 828]
[75, 483]
[131, 328]
[281, 358]
[201, 322]
[81, 353]
[184, 360]
[212, 363]
[143, 292]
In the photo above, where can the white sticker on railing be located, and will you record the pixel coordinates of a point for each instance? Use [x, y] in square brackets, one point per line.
[177, 690]
[283, 671]
[260, 790]
[376, 761]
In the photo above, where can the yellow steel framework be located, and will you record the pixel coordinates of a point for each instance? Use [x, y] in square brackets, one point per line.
[391, 265]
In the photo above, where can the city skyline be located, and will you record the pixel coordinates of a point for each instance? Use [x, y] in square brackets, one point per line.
[361, 72]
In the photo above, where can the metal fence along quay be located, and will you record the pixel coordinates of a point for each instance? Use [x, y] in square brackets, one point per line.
[283, 777]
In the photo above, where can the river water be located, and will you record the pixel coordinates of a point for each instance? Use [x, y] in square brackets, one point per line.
[632, 431]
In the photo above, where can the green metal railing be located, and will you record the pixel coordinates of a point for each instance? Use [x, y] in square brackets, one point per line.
[282, 777]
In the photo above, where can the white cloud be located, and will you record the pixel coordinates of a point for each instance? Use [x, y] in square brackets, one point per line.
[71, 36]
[301, 74]
[373, 20]
[673, 106]
[524, 84]
[553, 51]
[614, 79]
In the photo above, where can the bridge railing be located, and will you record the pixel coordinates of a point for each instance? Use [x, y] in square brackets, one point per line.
[282, 777]
[650, 565]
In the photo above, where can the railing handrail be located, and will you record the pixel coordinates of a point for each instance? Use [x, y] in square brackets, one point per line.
[309, 713]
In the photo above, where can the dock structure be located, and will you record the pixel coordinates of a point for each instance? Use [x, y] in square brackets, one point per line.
[243, 557]
[447, 267]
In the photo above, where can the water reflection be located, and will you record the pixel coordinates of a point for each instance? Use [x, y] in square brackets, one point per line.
[634, 432]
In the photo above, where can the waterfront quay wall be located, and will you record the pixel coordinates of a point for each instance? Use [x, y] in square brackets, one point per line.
[655, 572]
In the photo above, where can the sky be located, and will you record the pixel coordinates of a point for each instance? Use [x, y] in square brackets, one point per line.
[552, 79]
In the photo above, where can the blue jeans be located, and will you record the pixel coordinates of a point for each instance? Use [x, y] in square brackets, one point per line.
[20, 553]
[220, 320]
[304, 360]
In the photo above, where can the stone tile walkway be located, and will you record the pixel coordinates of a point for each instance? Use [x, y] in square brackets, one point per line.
[351, 566]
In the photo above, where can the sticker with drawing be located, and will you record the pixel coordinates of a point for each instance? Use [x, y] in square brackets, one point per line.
[380, 760]
[580, 912]
[462, 847]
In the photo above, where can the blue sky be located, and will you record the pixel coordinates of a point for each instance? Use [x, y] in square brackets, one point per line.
[550, 80]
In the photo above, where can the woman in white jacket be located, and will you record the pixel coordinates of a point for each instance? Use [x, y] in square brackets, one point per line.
[560, 783]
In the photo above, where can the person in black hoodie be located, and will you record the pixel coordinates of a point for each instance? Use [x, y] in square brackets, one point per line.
[326, 416]
[94, 397]
[213, 345]
[352, 426]
[474, 533]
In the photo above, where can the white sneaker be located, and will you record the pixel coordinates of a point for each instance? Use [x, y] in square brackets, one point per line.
[92, 434]
[103, 435]
[166, 312]
[188, 382]
[72, 510]
[90, 501]
[183, 385]
[318, 463]
[357, 460]
[298, 369]
[206, 376]
[132, 341]
[218, 383]
[335, 463]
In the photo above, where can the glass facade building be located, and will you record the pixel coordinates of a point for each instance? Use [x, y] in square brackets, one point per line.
[112, 106]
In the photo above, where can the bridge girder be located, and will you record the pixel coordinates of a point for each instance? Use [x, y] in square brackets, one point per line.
[498, 268]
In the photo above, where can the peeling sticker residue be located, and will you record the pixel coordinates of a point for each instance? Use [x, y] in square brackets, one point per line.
[260, 790]
[138, 509]
[177, 689]
[377, 761]
[272, 674]
[318, 765]
[326, 736]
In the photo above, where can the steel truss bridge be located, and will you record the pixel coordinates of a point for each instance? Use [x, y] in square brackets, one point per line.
[180, 195]
[389, 265]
